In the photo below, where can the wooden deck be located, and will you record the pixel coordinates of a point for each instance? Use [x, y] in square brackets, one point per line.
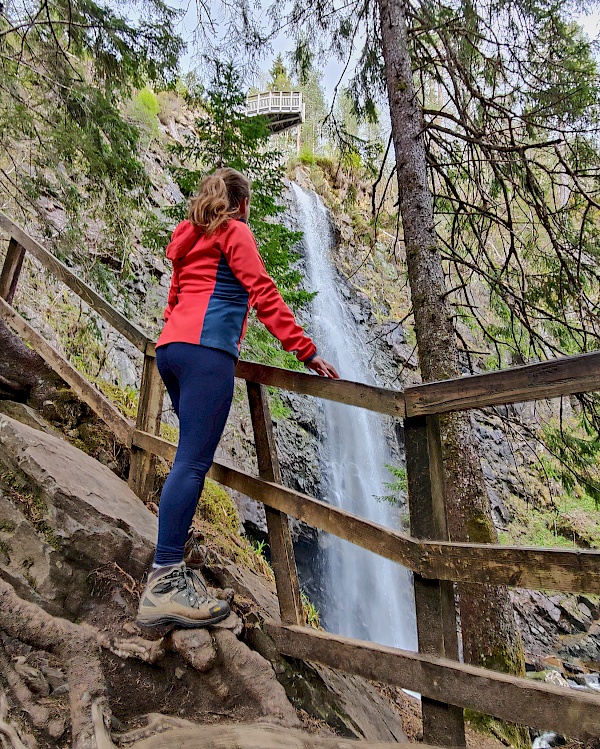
[284, 109]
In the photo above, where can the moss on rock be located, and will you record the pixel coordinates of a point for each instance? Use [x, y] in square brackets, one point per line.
[216, 507]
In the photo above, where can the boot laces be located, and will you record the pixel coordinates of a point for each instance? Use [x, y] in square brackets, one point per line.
[187, 580]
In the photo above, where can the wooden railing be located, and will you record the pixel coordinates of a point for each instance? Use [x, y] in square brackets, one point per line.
[445, 684]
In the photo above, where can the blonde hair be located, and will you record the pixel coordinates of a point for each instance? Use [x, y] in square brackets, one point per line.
[218, 199]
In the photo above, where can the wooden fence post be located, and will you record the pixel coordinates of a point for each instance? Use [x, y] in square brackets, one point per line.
[443, 724]
[142, 468]
[280, 539]
[11, 270]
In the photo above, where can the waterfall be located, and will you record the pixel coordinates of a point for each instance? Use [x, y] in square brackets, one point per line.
[362, 594]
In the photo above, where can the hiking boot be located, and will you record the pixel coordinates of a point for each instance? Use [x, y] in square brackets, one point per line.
[194, 552]
[177, 596]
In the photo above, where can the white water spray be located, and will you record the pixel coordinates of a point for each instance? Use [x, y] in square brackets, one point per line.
[365, 595]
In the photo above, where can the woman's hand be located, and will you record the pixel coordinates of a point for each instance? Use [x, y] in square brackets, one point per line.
[322, 368]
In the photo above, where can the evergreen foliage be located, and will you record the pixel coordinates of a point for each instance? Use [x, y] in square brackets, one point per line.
[279, 79]
[313, 94]
[65, 70]
[511, 123]
[397, 489]
[224, 135]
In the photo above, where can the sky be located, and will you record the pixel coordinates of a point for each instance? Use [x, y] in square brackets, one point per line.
[331, 71]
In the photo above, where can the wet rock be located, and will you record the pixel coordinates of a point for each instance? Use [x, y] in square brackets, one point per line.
[548, 741]
[592, 603]
[405, 354]
[584, 646]
[357, 313]
[591, 681]
[576, 613]
[391, 332]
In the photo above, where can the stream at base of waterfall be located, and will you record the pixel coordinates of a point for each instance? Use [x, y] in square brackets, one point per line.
[361, 594]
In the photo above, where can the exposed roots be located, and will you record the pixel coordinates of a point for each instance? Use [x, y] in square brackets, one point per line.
[37, 713]
[78, 649]
[149, 651]
[156, 723]
[8, 731]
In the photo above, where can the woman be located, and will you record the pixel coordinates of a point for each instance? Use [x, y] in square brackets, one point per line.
[218, 275]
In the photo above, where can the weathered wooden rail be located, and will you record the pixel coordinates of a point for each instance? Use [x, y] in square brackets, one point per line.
[447, 686]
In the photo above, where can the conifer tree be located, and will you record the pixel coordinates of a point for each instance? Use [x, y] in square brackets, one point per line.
[65, 69]
[279, 77]
[224, 135]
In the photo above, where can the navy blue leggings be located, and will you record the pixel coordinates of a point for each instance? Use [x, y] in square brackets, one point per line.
[200, 383]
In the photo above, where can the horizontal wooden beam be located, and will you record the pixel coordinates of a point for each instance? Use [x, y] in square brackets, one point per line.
[382, 400]
[568, 712]
[122, 428]
[156, 445]
[89, 296]
[548, 379]
[576, 570]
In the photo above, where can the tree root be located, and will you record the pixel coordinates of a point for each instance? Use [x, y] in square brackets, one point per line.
[78, 649]
[148, 651]
[9, 732]
[37, 714]
[156, 723]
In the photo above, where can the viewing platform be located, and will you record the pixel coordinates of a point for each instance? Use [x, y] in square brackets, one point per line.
[284, 109]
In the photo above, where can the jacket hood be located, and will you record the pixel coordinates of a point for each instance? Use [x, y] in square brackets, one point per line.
[184, 238]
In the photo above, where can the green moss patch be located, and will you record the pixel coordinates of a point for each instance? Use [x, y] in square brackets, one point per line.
[573, 522]
[216, 507]
[30, 503]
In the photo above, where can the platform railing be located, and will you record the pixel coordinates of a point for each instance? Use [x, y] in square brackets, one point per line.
[274, 101]
[446, 685]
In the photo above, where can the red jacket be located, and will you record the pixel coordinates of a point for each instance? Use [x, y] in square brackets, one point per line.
[215, 281]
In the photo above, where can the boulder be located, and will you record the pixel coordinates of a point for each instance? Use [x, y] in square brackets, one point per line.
[62, 515]
[27, 415]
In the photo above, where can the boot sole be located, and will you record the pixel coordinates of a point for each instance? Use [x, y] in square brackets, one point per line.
[180, 621]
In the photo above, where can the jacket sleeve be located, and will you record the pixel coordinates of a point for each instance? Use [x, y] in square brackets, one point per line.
[240, 251]
[173, 291]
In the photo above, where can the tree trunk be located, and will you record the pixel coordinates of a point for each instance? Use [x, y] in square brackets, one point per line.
[490, 636]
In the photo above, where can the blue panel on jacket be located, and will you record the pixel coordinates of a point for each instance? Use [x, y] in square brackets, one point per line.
[226, 312]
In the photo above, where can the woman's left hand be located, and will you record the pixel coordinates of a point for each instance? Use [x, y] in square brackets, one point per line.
[322, 368]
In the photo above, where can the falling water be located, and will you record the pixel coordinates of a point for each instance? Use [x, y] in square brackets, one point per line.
[363, 594]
